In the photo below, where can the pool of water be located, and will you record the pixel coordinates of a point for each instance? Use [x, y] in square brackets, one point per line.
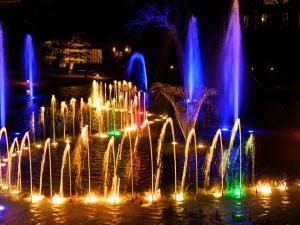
[278, 208]
[276, 157]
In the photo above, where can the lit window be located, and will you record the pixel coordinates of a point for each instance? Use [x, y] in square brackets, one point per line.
[264, 18]
[275, 2]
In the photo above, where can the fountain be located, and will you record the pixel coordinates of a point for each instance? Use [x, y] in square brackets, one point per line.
[230, 87]
[137, 68]
[46, 148]
[209, 157]
[193, 74]
[64, 113]
[186, 111]
[53, 111]
[187, 101]
[2, 81]
[42, 121]
[30, 64]
[64, 159]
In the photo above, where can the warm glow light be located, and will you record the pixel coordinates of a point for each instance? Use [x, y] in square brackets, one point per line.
[103, 135]
[217, 194]
[171, 67]
[5, 160]
[2, 164]
[68, 141]
[4, 187]
[264, 189]
[91, 198]
[201, 146]
[131, 128]
[114, 49]
[54, 143]
[149, 197]
[38, 145]
[126, 49]
[13, 154]
[174, 143]
[15, 191]
[37, 197]
[282, 186]
[113, 199]
[57, 199]
[178, 197]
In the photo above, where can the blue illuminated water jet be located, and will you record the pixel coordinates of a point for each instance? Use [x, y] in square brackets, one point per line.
[136, 68]
[30, 66]
[193, 73]
[2, 80]
[231, 65]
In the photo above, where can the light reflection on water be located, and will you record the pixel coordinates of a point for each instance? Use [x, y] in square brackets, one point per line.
[277, 208]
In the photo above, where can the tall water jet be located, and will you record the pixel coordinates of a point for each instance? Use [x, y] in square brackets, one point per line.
[110, 148]
[42, 121]
[46, 148]
[137, 68]
[12, 152]
[250, 150]
[193, 74]
[53, 112]
[64, 114]
[209, 157]
[73, 109]
[26, 139]
[226, 157]
[2, 81]
[4, 131]
[190, 137]
[232, 63]
[30, 64]
[61, 186]
[159, 163]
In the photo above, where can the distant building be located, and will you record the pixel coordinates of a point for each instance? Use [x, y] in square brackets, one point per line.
[271, 14]
[75, 51]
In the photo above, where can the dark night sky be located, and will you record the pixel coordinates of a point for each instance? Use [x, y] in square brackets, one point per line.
[97, 19]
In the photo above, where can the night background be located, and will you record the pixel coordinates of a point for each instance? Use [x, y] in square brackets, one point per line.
[76, 42]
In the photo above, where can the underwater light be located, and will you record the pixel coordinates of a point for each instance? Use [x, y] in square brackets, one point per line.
[178, 197]
[113, 199]
[37, 197]
[225, 129]
[57, 199]
[250, 131]
[17, 133]
[115, 133]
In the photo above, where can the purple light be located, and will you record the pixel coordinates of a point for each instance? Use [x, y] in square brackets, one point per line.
[2, 207]
[232, 66]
